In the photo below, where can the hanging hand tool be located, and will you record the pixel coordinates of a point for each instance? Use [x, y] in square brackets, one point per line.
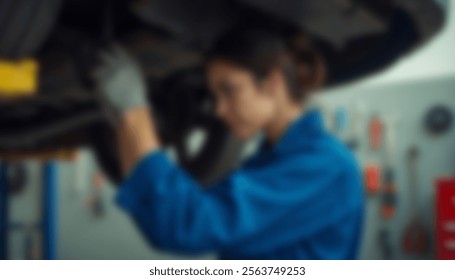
[372, 177]
[389, 198]
[415, 236]
[375, 130]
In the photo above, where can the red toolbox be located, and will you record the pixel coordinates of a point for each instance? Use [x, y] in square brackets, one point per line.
[445, 218]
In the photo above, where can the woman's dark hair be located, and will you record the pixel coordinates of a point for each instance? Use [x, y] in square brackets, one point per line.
[261, 50]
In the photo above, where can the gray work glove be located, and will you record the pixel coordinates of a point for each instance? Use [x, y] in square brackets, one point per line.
[120, 80]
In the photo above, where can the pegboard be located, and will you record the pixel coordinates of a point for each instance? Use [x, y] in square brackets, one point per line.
[406, 105]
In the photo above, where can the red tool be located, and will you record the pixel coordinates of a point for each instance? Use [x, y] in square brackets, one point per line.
[415, 236]
[372, 174]
[375, 132]
[445, 219]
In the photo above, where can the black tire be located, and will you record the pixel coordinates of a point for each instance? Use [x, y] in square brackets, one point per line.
[25, 24]
[183, 103]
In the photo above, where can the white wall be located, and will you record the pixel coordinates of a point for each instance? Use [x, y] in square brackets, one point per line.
[436, 59]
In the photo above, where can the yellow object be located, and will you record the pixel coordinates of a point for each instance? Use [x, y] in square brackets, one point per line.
[18, 78]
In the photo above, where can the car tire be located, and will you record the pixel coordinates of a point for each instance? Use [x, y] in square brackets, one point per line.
[24, 25]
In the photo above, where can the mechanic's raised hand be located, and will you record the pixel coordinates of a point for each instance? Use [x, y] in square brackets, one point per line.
[120, 80]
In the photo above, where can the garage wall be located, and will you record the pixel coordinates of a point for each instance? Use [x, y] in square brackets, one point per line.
[407, 103]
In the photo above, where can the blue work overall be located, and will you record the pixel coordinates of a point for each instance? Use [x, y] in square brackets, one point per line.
[301, 198]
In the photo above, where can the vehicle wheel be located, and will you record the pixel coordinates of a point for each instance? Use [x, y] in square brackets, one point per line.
[24, 25]
[187, 123]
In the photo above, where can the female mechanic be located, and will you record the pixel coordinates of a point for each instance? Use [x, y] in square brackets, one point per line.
[300, 196]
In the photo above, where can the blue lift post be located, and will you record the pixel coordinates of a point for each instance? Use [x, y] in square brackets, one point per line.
[49, 224]
[3, 213]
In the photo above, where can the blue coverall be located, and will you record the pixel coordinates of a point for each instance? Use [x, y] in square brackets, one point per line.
[300, 199]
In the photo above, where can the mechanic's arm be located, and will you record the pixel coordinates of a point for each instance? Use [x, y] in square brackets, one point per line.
[122, 85]
[137, 137]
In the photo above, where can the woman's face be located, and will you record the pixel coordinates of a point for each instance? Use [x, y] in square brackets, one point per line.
[246, 105]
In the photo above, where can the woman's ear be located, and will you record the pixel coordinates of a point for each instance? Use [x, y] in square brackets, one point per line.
[311, 74]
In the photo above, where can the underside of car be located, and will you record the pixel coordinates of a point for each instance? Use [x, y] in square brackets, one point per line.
[169, 38]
